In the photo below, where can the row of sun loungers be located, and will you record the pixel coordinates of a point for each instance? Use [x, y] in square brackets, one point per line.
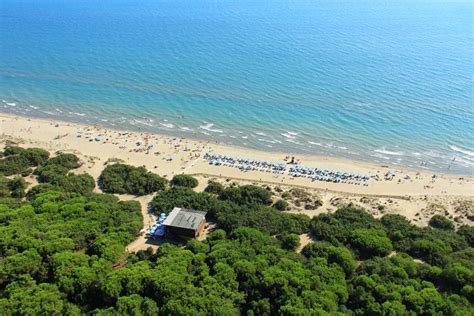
[315, 174]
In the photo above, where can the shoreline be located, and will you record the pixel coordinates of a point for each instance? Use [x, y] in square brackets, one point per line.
[194, 135]
[185, 156]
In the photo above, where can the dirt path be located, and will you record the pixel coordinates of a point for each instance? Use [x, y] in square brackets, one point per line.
[141, 243]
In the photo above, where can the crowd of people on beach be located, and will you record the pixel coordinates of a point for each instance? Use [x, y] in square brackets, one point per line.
[292, 169]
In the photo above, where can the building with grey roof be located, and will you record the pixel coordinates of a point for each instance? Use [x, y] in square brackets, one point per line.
[185, 222]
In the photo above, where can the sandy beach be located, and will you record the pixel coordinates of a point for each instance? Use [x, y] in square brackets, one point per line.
[415, 194]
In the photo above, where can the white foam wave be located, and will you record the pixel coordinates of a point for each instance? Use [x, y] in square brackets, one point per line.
[464, 162]
[208, 127]
[260, 134]
[147, 123]
[292, 133]
[293, 141]
[185, 128]
[167, 125]
[314, 143]
[12, 104]
[288, 135]
[380, 156]
[77, 113]
[462, 150]
[389, 152]
[33, 107]
[267, 140]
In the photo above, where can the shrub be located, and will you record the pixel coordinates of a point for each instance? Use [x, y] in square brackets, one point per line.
[49, 172]
[281, 205]
[468, 233]
[40, 188]
[17, 186]
[370, 242]
[12, 150]
[340, 255]
[184, 180]
[290, 241]
[82, 184]
[36, 156]
[441, 222]
[18, 160]
[13, 164]
[68, 161]
[121, 179]
[214, 187]
[247, 194]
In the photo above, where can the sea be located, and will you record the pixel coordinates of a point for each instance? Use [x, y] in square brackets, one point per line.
[389, 82]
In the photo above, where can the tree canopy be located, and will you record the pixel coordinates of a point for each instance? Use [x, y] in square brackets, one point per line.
[62, 253]
[121, 179]
[183, 180]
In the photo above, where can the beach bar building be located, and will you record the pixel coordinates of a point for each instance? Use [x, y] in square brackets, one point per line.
[185, 222]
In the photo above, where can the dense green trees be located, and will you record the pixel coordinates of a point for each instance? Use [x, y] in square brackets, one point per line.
[121, 179]
[16, 159]
[62, 253]
[441, 222]
[370, 242]
[281, 205]
[184, 180]
[214, 187]
[14, 188]
[247, 207]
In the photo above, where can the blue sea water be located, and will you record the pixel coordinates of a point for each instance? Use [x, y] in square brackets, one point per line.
[384, 81]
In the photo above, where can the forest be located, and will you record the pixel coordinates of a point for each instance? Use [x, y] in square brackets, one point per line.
[62, 250]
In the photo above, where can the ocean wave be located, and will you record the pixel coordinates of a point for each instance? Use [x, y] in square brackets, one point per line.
[33, 107]
[288, 135]
[274, 141]
[464, 162]
[293, 141]
[185, 128]
[389, 152]
[261, 134]
[77, 114]
[462, 150]
[378, 155]
[167, 125]
[208, 127]
[146, 123]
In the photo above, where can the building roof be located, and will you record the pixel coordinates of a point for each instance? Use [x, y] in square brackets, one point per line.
[185, 218]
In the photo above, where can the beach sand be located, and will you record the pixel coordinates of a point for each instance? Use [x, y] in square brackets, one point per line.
[415, 194]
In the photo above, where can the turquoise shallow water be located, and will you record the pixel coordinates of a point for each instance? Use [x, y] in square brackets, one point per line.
[390, 82]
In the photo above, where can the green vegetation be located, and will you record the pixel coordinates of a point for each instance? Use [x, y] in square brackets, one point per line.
[214, 187]
[16, 159]
[281, 205]
[184, 180]
[14, 188]
[234, 207]
[121, 179]
[62, 253]
[441, 222]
